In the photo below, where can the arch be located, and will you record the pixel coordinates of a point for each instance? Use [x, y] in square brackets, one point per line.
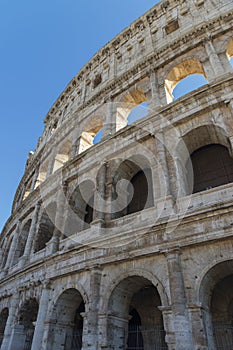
[66, 321]
[22, 240]
[181, 71]
[42, 174]
[132, 188]
[46, 227]
[130, 100]
[3, 320]
[229, 51]
[193, 140]
[62, 155]
[81, 205]
[27, 319]
[216, 295]
[188, 84]
[136, 297]
[87, 137]
[212, 167]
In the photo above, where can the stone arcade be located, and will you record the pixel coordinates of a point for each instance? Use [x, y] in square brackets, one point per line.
[117, 244]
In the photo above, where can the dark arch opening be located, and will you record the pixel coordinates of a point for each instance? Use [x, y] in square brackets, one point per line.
[222, 314]
[140, 191]
[212, 167]
[46, 227]
[3, 320]
[135, 339]
[27, 318]
[66, 323]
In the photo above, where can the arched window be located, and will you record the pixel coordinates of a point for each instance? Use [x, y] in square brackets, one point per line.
[131, 108]
[62, 156]
[229, 51]
[46, 227]
[3, 319]
[27, 318]
[80, 213]
[184, 69]
[142, 196]
[137, 113]
[66, 324]
[188, 84]
[132, 189]
[22, 240]
[212, 167]
[91, 135]
[137, 297]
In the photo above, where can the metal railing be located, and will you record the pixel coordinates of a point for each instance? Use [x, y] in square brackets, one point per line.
[223, 335]
[74, 342]
[154, 338]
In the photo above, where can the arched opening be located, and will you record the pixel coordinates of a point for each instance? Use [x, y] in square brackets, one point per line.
[216, 295]
[91, 135]
[3, 320]
[7, 246]
[181, 71]
[229, 51]
[81, 205]
[46, 227]
[27, 319]
[132, 188]
[137, 113]
[131, 108]
[66, 323]
[62, 156]
[188, 84]
[212, 167]
[28, 188]
[135, 322]
[43, 169]
[22, 240]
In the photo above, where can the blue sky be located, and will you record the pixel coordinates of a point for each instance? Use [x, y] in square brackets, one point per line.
[43, 45]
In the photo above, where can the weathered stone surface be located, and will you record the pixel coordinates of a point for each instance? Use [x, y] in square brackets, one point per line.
[107, 238]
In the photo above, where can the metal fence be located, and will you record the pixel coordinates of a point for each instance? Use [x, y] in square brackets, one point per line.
[223, 334]
[154, 338]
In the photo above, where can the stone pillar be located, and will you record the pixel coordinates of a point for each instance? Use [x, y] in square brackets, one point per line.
[13, 247]
[99, 200]
[117, 331]
[215, 62]
[90, 331]
[10, 320]
[154, 98]
[18, 337]
[110, 122]
[31, 235]
[198, 329]
[180, 320]
[40, 322]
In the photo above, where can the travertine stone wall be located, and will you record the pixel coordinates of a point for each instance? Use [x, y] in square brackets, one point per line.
[59, 254]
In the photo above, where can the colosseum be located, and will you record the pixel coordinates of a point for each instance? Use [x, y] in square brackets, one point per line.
[120, 235]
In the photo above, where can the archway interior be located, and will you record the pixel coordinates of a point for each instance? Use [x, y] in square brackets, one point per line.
[27, 318]
[3, 320]
[131, 108]
[66, 325]
[229, 51]
[184, 69]
[91, 134]
[222, 313]
[136, 301]
[212, 167]
[81, 204]
[132, 188]
[22, 240]
[46, 227]
[62, 155]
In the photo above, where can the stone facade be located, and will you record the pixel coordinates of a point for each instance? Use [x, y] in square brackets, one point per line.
[118, 244]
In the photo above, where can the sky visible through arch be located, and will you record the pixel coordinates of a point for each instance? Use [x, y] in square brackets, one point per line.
[43, 46]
